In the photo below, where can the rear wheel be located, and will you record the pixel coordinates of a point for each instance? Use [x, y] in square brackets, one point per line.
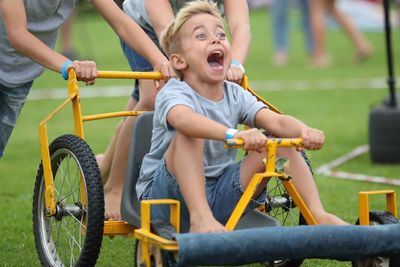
[158, 257]
[376, 218]
[73, 235]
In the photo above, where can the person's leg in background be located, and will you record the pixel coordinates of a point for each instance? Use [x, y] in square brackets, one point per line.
[306, 24]
[66, 45]
[11, 103]
[279, 12]
[105, 160]
[317, 19]
[363, 48]
[116, 156]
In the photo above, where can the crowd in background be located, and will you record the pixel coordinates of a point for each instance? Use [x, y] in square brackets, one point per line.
[316, 16]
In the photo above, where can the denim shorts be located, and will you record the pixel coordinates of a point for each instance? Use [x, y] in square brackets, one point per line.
[11, 102]
[222, 192]
[137, 62]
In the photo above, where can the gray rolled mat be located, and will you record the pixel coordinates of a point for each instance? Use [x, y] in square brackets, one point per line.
[299, 242]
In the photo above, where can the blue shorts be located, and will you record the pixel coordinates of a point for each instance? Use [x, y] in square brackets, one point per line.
[137, 62]
[11, 102]
[222, 192]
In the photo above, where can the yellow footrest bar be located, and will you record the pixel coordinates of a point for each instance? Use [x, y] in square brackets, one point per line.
[113, 228]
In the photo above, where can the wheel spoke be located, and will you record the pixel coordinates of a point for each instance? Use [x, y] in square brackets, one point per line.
[280, 205]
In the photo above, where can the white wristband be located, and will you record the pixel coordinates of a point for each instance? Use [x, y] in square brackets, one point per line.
[230, 133]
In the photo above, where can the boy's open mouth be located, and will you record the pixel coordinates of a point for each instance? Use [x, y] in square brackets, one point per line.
[216, 60]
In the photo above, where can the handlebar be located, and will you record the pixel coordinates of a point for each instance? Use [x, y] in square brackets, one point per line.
[129, 75]
[279, 142]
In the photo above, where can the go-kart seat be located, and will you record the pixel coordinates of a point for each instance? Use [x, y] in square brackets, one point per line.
[130, 206]
[140, 145]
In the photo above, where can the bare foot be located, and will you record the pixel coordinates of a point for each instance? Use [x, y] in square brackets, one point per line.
[363, 54]
[280, 58]
[208, 224]
[112, 204]
[328, 218]
[321, 61]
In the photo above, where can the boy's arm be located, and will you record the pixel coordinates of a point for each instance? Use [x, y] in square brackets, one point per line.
[190, 123]
[134, 36]
[281, 125]
[237, 16]
[159, 20]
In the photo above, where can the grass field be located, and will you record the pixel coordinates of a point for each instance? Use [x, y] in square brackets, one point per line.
[342, 114]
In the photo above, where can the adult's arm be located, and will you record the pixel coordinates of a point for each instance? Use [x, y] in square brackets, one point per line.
[133, 35]
[159, 20]
[237, 16]
[15, 21]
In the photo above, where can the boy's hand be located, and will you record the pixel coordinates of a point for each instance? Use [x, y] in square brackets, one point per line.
[254, 139]
[313, 138]
[86, 71]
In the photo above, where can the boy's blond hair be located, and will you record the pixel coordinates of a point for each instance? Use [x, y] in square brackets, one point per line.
[170, 39]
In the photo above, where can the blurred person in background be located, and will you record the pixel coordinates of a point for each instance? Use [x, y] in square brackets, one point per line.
[28, 33]
[318, 10]
[154, 16]
[67, 48]
[280, 28]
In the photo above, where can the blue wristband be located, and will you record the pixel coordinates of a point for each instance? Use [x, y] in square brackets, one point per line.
[230, 133]
[64, 69]
[236, 63]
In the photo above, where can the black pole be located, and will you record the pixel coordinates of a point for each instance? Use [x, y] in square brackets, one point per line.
[391, 80]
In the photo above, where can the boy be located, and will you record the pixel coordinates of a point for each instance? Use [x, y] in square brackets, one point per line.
[187, 160]
[147, 14]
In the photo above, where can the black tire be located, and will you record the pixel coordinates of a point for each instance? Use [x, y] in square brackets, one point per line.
[384, 130]
[73, 236]
[159, 258]
[379, 217]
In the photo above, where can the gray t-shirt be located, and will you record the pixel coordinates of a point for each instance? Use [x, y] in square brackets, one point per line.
[136, 9]
[44, 18]
[237, 107]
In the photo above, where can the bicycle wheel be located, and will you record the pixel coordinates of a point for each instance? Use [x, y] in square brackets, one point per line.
[73, 236]
[280, 205]
[376, 218]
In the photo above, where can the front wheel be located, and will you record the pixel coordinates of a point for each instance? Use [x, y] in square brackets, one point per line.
[73, 235]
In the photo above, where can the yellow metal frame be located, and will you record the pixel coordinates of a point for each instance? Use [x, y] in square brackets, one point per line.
[149, 239]
[74, 100]
[363, 203]
[270, 171]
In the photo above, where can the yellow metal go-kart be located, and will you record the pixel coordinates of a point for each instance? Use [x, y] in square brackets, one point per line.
[68, 203]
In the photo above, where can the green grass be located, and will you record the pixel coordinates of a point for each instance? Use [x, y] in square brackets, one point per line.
[342, 114]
